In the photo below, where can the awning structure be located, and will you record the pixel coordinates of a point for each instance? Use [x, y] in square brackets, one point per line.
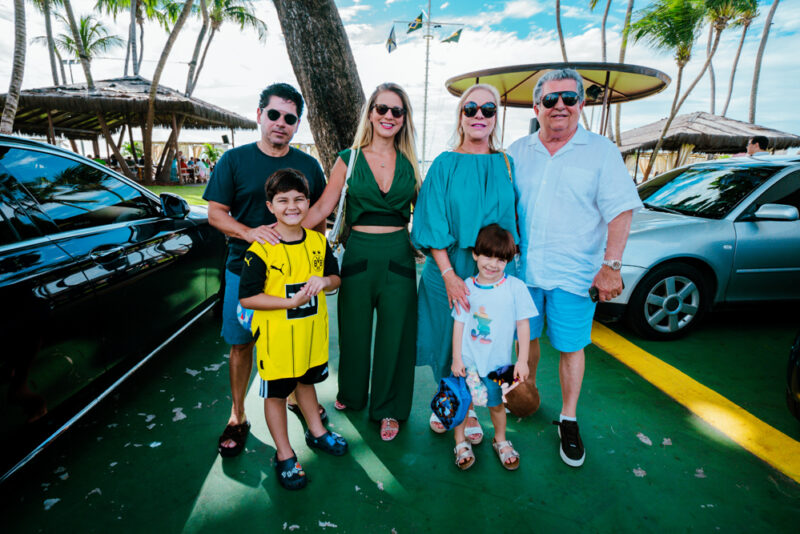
[71, 111]
[710, 134]
[604, 83]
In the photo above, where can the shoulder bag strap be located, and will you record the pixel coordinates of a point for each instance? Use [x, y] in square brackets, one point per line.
[336, 231]
[508, 166]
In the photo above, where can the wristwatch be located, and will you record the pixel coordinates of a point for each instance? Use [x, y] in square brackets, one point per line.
[614, 265]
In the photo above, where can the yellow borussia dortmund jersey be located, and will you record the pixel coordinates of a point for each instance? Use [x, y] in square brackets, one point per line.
[289, 342]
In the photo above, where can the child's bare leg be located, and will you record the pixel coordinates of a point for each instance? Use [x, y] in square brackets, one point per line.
[307, 400]
[275, 414]
[498, 414]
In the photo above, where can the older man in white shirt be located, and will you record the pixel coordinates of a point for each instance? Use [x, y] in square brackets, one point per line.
[575, 203]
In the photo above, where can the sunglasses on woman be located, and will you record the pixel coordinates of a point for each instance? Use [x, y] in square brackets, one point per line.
[488, 109]
[397, 111]
[288, 118]
[570, 98]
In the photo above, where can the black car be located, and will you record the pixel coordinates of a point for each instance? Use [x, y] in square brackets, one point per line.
[96, 274]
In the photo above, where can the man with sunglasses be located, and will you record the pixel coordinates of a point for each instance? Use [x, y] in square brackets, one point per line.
[575, 201]
[237, 208]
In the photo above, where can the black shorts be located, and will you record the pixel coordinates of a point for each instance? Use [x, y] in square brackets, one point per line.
[283, 387]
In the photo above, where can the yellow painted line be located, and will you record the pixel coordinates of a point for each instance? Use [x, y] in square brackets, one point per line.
[757, 437]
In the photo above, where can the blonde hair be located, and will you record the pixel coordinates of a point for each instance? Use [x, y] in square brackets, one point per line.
[458, 136]
[404, 140]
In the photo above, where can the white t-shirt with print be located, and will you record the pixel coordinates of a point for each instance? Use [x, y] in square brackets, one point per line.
[491, 322]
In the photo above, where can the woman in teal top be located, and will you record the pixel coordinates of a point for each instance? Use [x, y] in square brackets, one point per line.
[464, 190]
[378, 270]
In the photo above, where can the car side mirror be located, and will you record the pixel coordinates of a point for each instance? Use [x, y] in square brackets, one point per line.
[776, 212]
[173, 206]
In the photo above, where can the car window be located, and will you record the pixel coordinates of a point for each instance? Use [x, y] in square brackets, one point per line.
[786, 191]
[709, 191]
[15, 222]
[73, 194]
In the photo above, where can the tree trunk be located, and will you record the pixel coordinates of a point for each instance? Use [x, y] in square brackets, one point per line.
[17, 70]
[203, 59]
[759, 55]
[141, 47]
[672, 113]
[711, 79]
[733, 70]
[197, 46]
[324, 66]
[73, 26]
[603, 29]
[51, 45]
[132, 36]
[114, 146]
[151, 106]
[560, 33]
[622, 48]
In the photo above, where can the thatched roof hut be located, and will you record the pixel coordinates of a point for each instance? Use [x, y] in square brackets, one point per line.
[72, 110]
[707, 133]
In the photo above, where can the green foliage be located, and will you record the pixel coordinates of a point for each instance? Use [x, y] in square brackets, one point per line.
[93, 34]
[211, 152]
[126, 149]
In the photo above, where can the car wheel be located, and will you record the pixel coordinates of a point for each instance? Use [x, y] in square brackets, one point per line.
[668, 302]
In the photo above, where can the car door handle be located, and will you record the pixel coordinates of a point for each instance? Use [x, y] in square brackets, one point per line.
[104, 254]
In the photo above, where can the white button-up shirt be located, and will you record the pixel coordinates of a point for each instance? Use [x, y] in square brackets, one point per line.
[565, 202]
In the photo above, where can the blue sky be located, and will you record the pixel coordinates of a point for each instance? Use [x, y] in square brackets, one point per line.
[497, 33]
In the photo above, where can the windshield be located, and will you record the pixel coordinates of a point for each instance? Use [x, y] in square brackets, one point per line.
[709, 191]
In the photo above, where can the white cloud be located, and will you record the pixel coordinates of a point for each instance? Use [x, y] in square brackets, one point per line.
[444, 6]
[390, 2]
[349, 13]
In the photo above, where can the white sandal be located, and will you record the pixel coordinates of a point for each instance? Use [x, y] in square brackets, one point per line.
[474, 433]
[505, 456]
[463, 451]
[436, 425]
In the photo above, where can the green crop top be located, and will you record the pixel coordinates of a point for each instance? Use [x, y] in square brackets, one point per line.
[368, 205]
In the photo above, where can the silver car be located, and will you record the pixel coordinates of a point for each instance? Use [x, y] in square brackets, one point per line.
[713, 233]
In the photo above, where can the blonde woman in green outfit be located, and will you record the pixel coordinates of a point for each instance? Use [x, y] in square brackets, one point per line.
[378, 269]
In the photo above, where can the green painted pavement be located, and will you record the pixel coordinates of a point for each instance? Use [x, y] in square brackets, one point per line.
[146, 461]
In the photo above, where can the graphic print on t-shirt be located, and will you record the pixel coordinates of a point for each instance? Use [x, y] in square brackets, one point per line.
[482, 330]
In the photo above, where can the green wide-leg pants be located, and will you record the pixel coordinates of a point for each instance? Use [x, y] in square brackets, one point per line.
[378, 278]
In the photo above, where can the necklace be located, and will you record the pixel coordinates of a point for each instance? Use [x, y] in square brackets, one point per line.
[383, 165]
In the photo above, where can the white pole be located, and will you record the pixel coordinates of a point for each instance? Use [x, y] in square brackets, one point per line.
[428, 37]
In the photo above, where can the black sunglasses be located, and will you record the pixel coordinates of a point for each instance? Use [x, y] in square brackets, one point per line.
[570, 98]
[288, 118]
[488, 110]
[397, 111]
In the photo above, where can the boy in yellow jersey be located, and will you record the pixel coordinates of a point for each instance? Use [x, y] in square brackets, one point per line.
[284, 286]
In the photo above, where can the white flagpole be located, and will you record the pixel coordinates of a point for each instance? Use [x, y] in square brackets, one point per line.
[428, 37]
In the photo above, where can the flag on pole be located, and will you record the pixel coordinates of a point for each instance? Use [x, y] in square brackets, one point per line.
[415, 24]
[391, 42]
[453, 38]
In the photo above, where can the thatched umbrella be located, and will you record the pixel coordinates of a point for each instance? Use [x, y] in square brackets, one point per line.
[702, 132]
[71, 111]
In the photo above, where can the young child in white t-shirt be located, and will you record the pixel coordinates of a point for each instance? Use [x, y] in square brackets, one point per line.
[483, 337]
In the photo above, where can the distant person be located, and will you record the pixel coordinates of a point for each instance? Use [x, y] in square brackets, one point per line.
[285, 285]
[757, 146]
[236, 207]
[483, 338]
[575, 205]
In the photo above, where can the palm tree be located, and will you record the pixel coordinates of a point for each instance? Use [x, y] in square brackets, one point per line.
[712, 81]
[560, 33]
[18, 69]
[744, 18]
[73, 26]
[626, 28]
[93, 35]
[592, 5]
[759, 55]
[147, 130]
[162, 11]
[670, 25]
[44, 7]
[240, 12]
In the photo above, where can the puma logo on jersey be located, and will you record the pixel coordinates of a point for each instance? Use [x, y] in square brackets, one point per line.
[279, 269]
[247, 260]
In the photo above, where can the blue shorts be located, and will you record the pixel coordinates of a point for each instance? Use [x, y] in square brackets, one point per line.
[494, 393]
[232, 331]
[569, 318]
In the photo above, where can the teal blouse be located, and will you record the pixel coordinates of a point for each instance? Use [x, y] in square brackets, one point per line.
[461, 194]
[368, 205]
